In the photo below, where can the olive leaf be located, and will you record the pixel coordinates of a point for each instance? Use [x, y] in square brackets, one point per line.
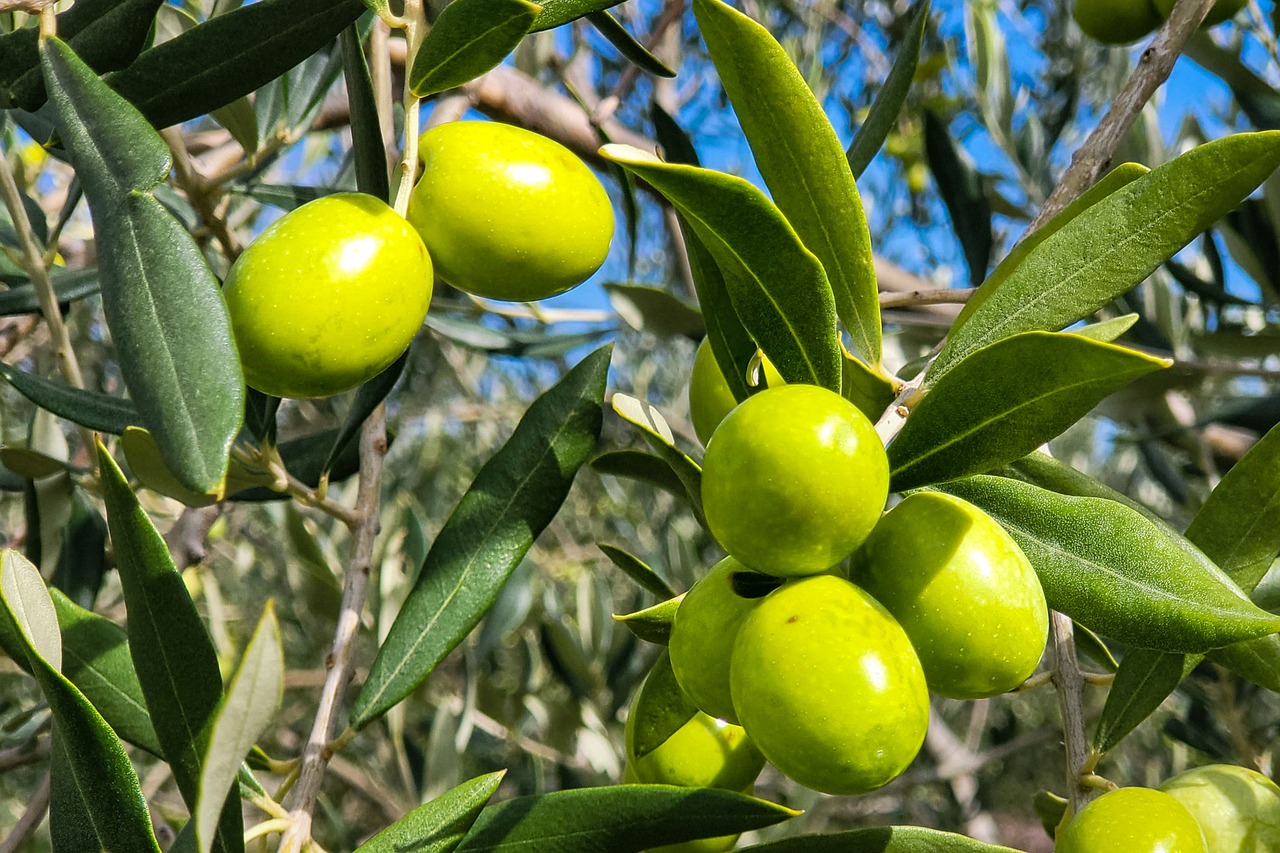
[469, 38]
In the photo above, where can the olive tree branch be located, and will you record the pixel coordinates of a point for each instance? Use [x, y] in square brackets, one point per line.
[202, 194]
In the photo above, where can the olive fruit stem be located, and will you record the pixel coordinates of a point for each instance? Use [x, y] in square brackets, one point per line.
[415, 30]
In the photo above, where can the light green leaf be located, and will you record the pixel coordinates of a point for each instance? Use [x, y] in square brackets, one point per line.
[653, 426]
[440, 825]
[1107, 330]
[242, 718]
[558, 12]
[163, 306]
[653, 624]
[778, 287]
[885, 839]
[1116, 572]
[172, 653]
[1116, 243]
[146, 462]
[619, 818]
[95, 800]
[1006, 400]
[469, 38]
[872, 392]
[513, 497]
[892, 95]
[660, 710]
[802, 162]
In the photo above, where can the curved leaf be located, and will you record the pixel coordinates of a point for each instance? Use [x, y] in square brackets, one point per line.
[229, 56]
[1143, 681]
[1005, 400]
[161, 301]
[513, 497]
[778, 287]
[95, 800]
[440, 825]
[661, 709]
[638, 570]
[892, 95]
[887, 839]
[730, 342]
[653, 426]
[619, 818]
[627, 45]
[88, 408]
[243, 716]
[468, 39]
[557, 12]
[653, 624]
[1117, 573]
[368, 147]
[69, 286]
[963, 193]
[172, 653]
[368, 397]
[1114, 244]
[642, 467]
[802, 162]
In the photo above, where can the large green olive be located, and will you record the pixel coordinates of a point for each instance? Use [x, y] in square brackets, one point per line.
[327, 296]
[1238, 809]
[507, 213]
[1116, 21]
[828, 686]
[1132, 820]
[709, 396]
[793, 480]
[962, 590]
[702, 637]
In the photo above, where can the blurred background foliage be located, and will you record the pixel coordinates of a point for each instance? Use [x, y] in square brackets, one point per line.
[1004, 93]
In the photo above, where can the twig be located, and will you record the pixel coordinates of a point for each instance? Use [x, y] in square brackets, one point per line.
[1069, 681]
[931, 296]
[202, 195]
[30, 821]
[1154, 67]
[21, 756]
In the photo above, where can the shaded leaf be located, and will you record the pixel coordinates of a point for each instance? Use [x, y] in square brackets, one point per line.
[643, 467]
[1143, 681]
[730, 342]
[161, 301]
[1117, 573]
[638, 570]
[1006, 400]
[21, 298]
[777, 286]
[619, 818]
[468, 39]
[368, 397]
[305, 458]
[88, 408]
[653, 426]
[884, 839]
[83, 558]
[659, 711]
[963, 193]
[654, 310]
[627, 45]
[243, 716]
[440, 825]
[513, 497]
[367, 144]
[892, 95]
[804, 165]
[1116, 243]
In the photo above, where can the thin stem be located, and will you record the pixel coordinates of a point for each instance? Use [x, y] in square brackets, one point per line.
[1069, 681]
[931, 296]
[203, 195]
[30, 821]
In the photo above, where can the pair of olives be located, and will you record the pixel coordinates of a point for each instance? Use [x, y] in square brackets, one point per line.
[334, 291]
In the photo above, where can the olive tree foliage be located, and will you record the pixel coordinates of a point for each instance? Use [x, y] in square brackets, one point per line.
[383, 620]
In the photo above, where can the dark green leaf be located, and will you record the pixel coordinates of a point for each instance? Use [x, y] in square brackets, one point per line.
[892, 95]
[730, 342]
[1257, 661]
[804, 165]
[1116, 572]
[440, 825]
[513, 497]
[660, 710]
[777, 286]
[885, 839]
[106, 34]
[284, 197]
[627, 44]
[82, 560]
[468, 39]
[1145, 678]
[243, 716]
[21, 298]
[963, 193]
[229, 56]
[95, 802]
[643, 467]
[638, 570]
[95, 657]
[369, 148]
[619, 819]
[87, 408]
[675, 144]
[1116, 243]
[368, 397]
[172, 653]
[1005, 400]
[161, 301]
[557, 12]
[654, 310]
[655, 430]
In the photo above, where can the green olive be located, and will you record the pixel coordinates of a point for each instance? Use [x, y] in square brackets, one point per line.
[828, 686]
[709, 396]
[962, 590]
[507, 213]
[1116, 21]
[1132, 820]
[327, 296]
[793, 480]
[1238, 809]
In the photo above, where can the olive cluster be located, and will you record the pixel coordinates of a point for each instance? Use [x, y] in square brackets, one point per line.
[1126, 21]
[334, 291]
[1219, 808]
[830, 622]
